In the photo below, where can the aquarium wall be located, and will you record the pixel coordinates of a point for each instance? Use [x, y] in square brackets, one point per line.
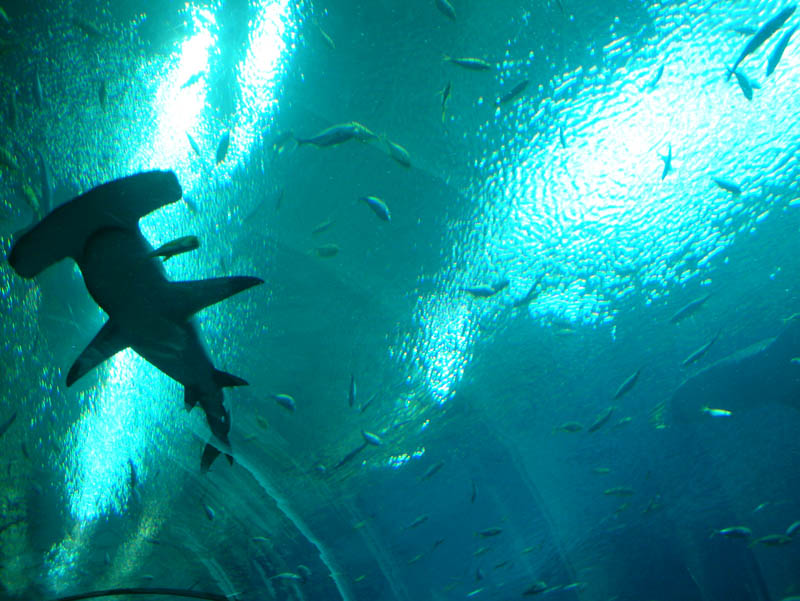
[528, 320]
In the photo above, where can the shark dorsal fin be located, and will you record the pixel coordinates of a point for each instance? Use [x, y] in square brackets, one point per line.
[190, 297]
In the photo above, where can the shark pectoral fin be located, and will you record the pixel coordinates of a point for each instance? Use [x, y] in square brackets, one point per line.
[210, 453]
[190, 397]
[107, 343]
[225, 380]
[191, 297]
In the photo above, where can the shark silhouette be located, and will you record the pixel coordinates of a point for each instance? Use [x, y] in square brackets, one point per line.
[147, 312]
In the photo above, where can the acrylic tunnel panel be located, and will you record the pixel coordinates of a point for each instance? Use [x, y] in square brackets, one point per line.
[528, 325]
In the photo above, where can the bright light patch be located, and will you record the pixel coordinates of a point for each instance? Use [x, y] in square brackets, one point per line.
[570, 186]
[442, 348]
[180, 102]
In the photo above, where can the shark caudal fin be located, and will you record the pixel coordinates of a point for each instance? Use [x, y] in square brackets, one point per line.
[210, 453]
[190, 297]
[107, 343]
[116, 204]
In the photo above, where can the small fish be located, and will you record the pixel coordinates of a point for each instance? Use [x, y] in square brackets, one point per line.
[716, 412]
[366, 405]
[378, 207]
[772, 540]
[502, 564]
[432, 470]
[285, 400]
[397, 152]
[32, 200]
[350, 455]
[209, 513]
[474, 492]
[328, 39]
[624, 388]
[574, 586]
[727, 186]
[514, 92]
[321, 227]
[446, 9]
[777, 52]
[761, 506]
[480, 291]
[605, 414]
[262, 422]
[696, 355]
[478, 574]
[793, 529]
[4, 16]
[763, 34]
[688, 309]
[361, 578]
[667, 158]
[436, 543]
[744, 84]
[569, 427]
[260, 539]
[536, 588]
[286, 576]
[351, 393]
[193, 144]
[102, 94]
[338, 134]
[602, 470]
[795, 360]
[445, 97]
[473, 64]
[193, 79]
[619, 491]
[561, 137]
[371, 438]
[38, 92]
[326, 251]
[480, 551]
[654, 82]
[415, 559]
[418, 521]
[488, 532]
[7, 424]
[175, 247]
[475, 592]
[222, 147]
[745, 30]
[530, 296]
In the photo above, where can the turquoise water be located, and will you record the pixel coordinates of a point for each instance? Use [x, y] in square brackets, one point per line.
[555, 199]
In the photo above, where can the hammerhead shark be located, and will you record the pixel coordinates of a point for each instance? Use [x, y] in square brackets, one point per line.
[147, 312]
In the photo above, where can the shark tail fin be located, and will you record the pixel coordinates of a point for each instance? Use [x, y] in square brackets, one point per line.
[193, 296]
[210, 453]
[226, 380]
[116, 204]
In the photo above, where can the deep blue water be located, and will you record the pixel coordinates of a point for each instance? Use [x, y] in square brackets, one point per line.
[552, 207]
